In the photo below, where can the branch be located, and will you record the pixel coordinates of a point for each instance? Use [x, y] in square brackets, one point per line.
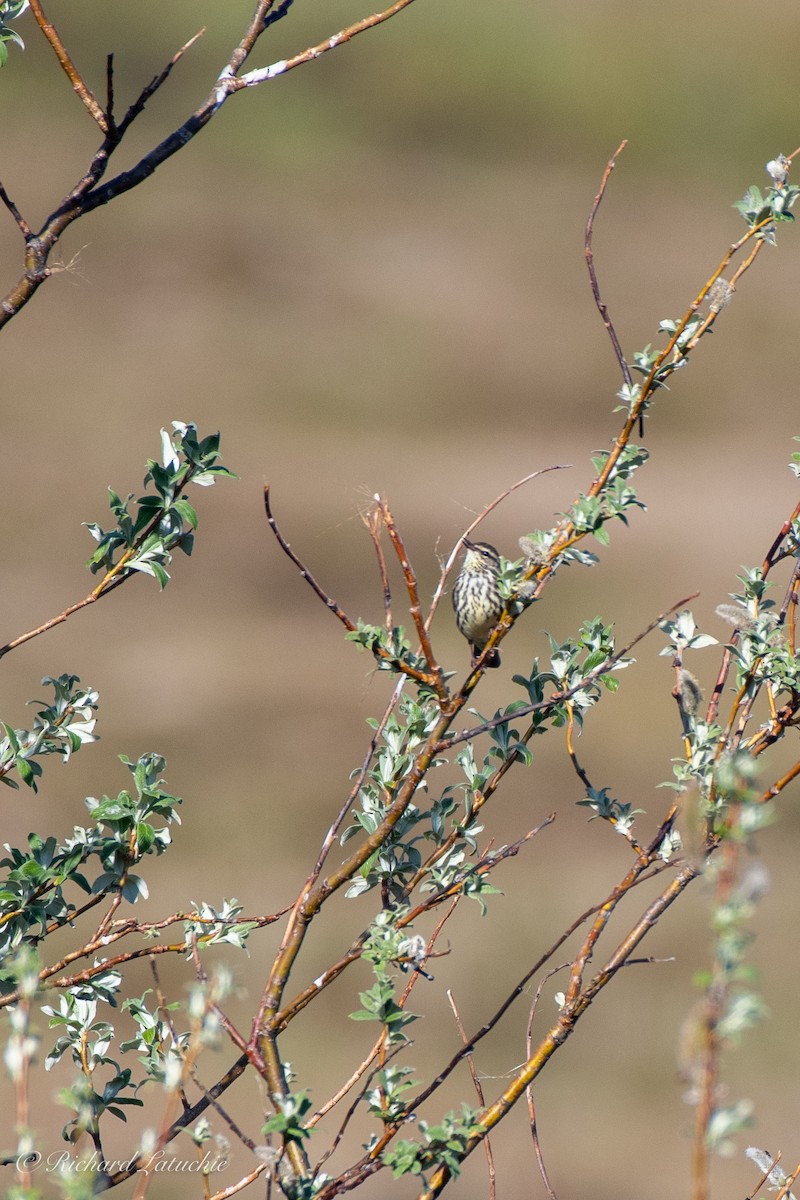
[138, 105]
[413, 595]
[372, 521]
[113, 578]
[62, 616]
[70, 70]
[256, 27]
[529, 1091]
[377, 650]
[253, 78]
[561, 697]
[566, 1023]
[589, 254]
[476, 1083]
[87, 194]
[482, 515]
[23, 225]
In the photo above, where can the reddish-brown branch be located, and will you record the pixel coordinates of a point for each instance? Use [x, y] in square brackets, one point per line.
[568, 534]
[413, 596]
[372, 520]
[379, 651]
[114, 576]
[86, 96]
[242, 1183]
[253, 78]
[785, 530]
[780, 784]
[63, 616]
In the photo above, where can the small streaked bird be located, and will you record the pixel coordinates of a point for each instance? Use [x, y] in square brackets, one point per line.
[476, 598]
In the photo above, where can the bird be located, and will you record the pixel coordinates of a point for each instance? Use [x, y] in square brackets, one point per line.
[477, 600]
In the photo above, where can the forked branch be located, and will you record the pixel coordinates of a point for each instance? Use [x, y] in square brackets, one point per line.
[89, 193]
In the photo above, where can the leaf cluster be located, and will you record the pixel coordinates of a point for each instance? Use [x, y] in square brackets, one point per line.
[9, 11]
[164, 520]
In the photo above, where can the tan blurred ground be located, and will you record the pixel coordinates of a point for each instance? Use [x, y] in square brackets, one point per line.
[369, 275]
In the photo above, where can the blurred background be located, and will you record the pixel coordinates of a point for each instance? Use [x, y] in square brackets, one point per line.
[369, 275]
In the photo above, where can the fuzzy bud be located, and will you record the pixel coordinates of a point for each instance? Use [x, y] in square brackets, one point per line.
[533, 551]
[778, 170]
[735, 615]
[691, 695]
[720, 294]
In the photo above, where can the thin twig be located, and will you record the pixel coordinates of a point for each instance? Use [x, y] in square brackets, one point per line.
[569, 535]
[327, 600]
[244, 1182]
[602, 308]
[372, 520]
[413, 597]
[584, 778]
[67, 65]
[263, 74]
[167, 1016]
[63, 616]
[447, 566]
[780, 784]
[141, 100]
[23, 225]
[378, 650]
[114, 576]
[112, 127]
[476, 1083]
[764, 1177]
[785, 1193]
[529, 1090]
[88, 193]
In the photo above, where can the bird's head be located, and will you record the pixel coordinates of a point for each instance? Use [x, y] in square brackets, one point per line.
[480, 557]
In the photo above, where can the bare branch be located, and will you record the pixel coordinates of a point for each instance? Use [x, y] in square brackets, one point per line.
[88, 194]
[476, 1083]
[67, 65]
[372, 520]
[453, 555]
[327, 600]
[23, 225]
[138, 105]
[589, 253]
[253, 78]
[529, 1090]
[413, 597]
